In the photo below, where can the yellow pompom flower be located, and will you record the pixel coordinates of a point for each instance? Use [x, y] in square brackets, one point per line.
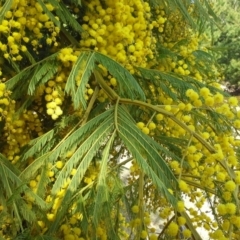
[183, 186]
[205, 92]
[151, 125]
[237, 179]
[54, 116]
[232, 101]
[191, 149]
[186, 118]
[145, 130]
[209, 101]
[113, 82]
[51, 217]
[159, 117]
[59, 164]
[192, 94]
[131, 48]
[188, 107]
[227, 196]
[236, 221]
[225, 225]
[77, 231]
[140, 125]
[187, 233]
[153, 237]
[69, 237]
[205, 135]
[230, 208]
[33, 183]
[218, 234]
[181, 106]
[172, 229]
[135, 209]
[221, 208]
[181, 221]
[197, 103]
[230, 186]
[2, 86]
[236, 123]
[180, 206]
[218, 98]
[168, 108]
[144, 234]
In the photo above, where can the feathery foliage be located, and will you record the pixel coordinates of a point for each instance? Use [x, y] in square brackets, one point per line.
[111, 114]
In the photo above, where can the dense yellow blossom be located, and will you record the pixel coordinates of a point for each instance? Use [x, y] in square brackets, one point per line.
[185, 118]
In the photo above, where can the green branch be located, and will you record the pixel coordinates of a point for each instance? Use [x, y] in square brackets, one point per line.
[114, 96]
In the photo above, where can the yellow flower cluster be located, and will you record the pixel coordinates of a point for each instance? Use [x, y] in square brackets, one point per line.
[127, 31]
[22, 18]
[4, 101]
[147, 129]
[206, 168]
[121, 30]
[54, 100]
[14, 130]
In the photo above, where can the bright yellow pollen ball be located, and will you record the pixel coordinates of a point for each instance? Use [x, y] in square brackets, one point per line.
[135, 209]
[145, 130]
[151, 125]
[59, 164]
[140, 125]
[172, 229]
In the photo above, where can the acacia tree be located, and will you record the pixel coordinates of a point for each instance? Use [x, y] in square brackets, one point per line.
[88, 87]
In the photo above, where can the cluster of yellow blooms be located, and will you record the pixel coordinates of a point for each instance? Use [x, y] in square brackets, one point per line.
[128, 32]
[15, 132]
[24, 23]
[121, 30]
[206, 170]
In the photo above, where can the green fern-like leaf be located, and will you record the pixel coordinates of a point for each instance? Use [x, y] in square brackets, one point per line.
[139, 144]
[79, 135]
[183, 10]
[31, 170]
[81, 160]
[12, 177]
[165, 52]
[174, 145]
[167, 82]
[5, 161]
[85, 63]
[24, 106]
[87, 149]
[42, 182]
[67, 18]
[128, 86]
[37, 144]
[79, 97]
[29, 57]
[6, 6]
[42, 74]
[203, 56]
[12, 82]
[22, 78]
[206, 13]
[102, 195]
[29, 216]
[8, 178]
